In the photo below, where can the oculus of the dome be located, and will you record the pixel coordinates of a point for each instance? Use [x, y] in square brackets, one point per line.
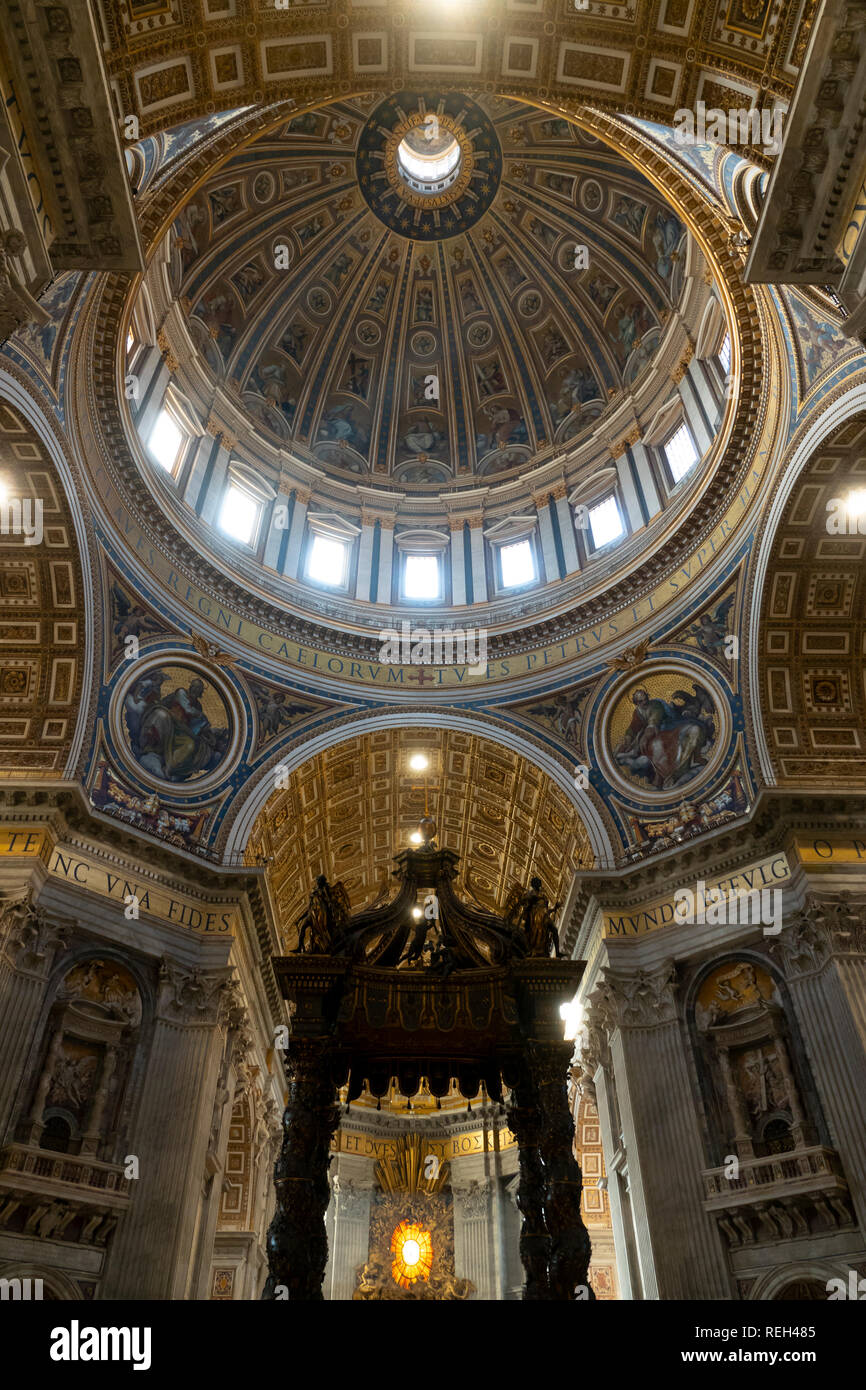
[429, 162]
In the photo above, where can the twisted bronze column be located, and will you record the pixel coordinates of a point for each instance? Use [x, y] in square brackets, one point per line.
[297, 1242]
[524, 1122]
[555, 1247]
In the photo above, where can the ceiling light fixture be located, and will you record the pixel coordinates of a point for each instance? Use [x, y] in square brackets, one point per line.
[419, 762]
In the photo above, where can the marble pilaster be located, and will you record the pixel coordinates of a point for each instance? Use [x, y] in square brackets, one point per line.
[150, 1254]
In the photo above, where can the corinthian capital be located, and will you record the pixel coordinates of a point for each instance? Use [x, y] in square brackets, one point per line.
[643, 1000]
[27, 935]
[832, 925]
[191, 996]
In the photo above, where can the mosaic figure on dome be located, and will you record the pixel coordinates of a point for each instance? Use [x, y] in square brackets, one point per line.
[172, 735]
[669, 737]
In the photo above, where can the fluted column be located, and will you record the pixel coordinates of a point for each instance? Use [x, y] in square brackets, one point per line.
[644, 473]
[348, 1235]
[279, 522]
[474, 1255]
[296, 533]
[678, 1245]
[153, 377]
[386, 559]
[479, 564]
[565, 516]
[29, 946]
[628, 492]
[545, 532]
[737, 1106]
[364, 571]
[823, 955]
[214, 482]
[153, 1247]
[458, 563]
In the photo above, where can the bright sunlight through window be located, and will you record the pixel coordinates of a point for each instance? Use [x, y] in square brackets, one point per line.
[327, 561]
[421, 576]
[518, 564]
[725, 355]
[239, 515]
[605, 522]
[681, 453]
[166, 441]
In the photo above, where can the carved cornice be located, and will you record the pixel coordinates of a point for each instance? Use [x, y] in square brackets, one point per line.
[822, 156]
[774, 818]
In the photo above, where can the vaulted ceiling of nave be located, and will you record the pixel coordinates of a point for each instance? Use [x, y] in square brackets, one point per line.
[176, 60]
[813, 621]
[44, 609]
[426, 346]
[347, 811]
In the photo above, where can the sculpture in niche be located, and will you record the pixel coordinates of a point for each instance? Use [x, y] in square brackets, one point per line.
[73, 1077]
[762, 1082]
[730, 989]
[103, 987]
[662, 734]
[77, 1095]
[178, 735]
[739, 1015]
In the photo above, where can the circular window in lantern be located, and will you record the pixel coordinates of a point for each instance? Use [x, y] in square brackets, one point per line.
[412, 1248]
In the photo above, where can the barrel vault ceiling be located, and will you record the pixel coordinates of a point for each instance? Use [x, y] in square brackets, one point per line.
[350, 809]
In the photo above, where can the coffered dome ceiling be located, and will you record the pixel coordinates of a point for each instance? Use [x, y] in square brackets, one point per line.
[386, 333]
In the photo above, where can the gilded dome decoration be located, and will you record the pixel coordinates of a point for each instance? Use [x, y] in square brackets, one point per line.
[429, 165]
[433, 332]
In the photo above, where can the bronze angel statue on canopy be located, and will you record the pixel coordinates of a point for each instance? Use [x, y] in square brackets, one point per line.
[324, 919]
[527, 912]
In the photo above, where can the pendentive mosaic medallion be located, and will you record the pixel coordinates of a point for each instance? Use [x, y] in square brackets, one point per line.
[663, 731]
[426, 125]
[176, 724]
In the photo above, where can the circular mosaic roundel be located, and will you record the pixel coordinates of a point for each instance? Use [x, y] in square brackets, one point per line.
[429, 216]
[663, 731]
[176, 723]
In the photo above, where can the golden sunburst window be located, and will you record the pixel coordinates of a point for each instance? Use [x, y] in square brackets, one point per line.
[412, 1248]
